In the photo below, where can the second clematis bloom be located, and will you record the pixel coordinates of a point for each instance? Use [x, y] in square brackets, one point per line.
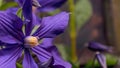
[95, 46]
[44, 5]
[16, 42]
[98, 49]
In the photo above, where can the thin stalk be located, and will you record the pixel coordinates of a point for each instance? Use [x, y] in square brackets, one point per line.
[72, 30]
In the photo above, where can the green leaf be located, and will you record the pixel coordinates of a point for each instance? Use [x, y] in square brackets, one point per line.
[19, 13]
[83, 11]
[66, 56]
[75, 64]
[8, 5]
[90, 64]
[111, 61]
[1, 3]
[62, 50]
[19, 65]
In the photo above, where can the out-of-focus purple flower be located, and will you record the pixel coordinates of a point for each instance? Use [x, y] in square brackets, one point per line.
[98, 48]
[46, 5]
[102, 60]
[94, 46]
[49, 5]
[14, 41]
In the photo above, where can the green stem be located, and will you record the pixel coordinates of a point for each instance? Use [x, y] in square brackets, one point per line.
[72, 30]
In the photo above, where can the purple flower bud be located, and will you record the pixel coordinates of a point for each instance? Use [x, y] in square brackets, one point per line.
[94, 46]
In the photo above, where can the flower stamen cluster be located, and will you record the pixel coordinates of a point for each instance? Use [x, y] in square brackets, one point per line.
[31, 41]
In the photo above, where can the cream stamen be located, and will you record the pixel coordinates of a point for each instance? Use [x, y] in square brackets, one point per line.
[31, 41]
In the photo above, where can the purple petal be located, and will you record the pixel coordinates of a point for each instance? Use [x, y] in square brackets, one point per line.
[49, 47]
[12, 10]
[9, 55]
[28, 61]
[46, 5]
[27, 13]
[34, 2]
[57, 58]
[35, 24]
[48, 63]
[52, 26]
[11, 28]
[102, 60]
[20, 2]
[47, 42]
[42, 54]
[30, 18]
[94, 46]
[49, 5]
[36, 20]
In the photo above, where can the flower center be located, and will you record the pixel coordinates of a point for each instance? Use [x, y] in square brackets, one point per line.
[31, 41]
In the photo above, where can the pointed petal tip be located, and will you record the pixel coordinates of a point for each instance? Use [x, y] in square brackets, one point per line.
[52, 26]
[36, 3]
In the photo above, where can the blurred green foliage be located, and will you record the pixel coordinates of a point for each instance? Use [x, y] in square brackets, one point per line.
[19, 13]
[6, 5]
[19, 65]
[1, 2]
[83, 11]
[65, 53]
[111, 61]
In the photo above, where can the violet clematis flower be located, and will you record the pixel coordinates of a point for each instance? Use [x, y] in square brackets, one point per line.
[46, 5]
[15, 42]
